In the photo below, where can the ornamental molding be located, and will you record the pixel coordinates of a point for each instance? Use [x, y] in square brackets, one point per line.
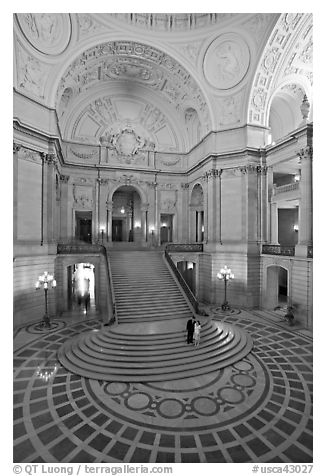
[31, 73]
[50, 159]
[83, 196]
[305, 153]
[30, 155]
[226, 61]
[277, 63]
[81, 154]
[48, 33]
[64, 178]
[140, 63]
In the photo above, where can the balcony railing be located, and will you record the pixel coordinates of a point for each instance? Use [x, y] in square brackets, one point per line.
[182, 282]
[289, 187]
[79, 248]
[184, 247]
[278, 250]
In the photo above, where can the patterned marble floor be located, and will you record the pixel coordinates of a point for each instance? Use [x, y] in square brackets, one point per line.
[257, 410]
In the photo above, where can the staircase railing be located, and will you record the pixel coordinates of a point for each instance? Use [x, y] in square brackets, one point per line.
[182, 282]
[113, 315]
[184, 247]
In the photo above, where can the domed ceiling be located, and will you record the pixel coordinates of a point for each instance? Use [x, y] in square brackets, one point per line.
[168, 78]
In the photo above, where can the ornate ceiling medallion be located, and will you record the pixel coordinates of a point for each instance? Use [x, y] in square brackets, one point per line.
[48, 33]
[226, 61]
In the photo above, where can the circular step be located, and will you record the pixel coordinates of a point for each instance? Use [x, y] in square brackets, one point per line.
[114, 356]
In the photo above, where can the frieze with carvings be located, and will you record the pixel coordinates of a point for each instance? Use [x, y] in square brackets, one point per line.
[48, 33]
[30, 155]
[226, 61]
[229, 108]
[87, 24]
[83, 196]
[81, 154]
[168, 201]
[31, 73]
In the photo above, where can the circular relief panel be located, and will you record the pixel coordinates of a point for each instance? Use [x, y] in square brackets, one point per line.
[226, 61]
[49, 33]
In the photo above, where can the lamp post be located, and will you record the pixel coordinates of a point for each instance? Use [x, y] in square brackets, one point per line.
[46, 279]
[225, 274]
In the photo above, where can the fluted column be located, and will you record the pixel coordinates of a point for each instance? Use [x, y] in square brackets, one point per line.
[144, 230]
[305, 206]
[49, 197]
[183, 212]
[268, 199]
[274, 223]
[199, 225]
[64, 179]
[16, 148]
[109, 208]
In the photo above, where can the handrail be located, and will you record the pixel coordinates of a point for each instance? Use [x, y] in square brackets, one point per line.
[184, 247]
[278, 250]
[289, 187]
[79, 248]
[182, 282]
[114, 315]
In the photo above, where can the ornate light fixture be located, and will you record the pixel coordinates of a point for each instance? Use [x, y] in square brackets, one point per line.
[46, 280]
[226, 275]
[46, 375]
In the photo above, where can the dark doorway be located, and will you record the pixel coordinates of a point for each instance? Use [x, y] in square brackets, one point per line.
[116, 230]
[282, 285]
[166, 231]
[84, 226]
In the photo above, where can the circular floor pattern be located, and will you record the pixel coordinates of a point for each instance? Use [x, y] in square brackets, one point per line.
[39, 328]
[256, 410]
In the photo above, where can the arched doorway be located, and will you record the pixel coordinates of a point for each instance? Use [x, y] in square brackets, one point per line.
[127, 223]
[277, 288]
[81, 287]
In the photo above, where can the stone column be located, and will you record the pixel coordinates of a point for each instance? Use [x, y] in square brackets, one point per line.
[16, 148]
[274, 223]
[102, 194]
[64, 179]
[109, 207]
[183, 212]
[199, 225]
[305, 205]
[268, 198]
[49, 197]
[143, 210]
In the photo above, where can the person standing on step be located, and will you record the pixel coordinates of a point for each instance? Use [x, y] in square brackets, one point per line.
[197, 333]
[190, 330]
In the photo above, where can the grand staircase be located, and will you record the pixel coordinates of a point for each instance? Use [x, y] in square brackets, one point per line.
[145, 289]
[146, 345]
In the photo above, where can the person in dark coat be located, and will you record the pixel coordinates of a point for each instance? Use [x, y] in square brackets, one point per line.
[190, 330]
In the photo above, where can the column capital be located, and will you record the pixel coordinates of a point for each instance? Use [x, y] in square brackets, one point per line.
[185, 186]
[49, 159]
[64, 178]
[16, 147]
[305, 153]
[102, 181]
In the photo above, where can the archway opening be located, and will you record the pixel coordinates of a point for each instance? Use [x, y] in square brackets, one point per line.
[277, 290]
[127, 223]
[81, 287]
